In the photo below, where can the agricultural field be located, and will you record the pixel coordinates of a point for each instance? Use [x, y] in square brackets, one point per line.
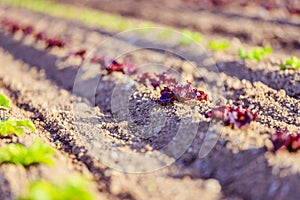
[136, 99]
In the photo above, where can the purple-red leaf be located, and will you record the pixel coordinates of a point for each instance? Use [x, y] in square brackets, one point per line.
[79, 53]
[233, 115]
[147, 79]
[40, 36]
[27, 30]
[285, 140]
[167, 96]
[186, 92]
[54, 42]
[126, 67]
[114, 66]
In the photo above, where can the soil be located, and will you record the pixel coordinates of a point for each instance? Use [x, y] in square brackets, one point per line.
[241, 164]
[225, 23]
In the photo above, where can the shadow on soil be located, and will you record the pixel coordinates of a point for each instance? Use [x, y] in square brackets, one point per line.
[274, 80]
[245, 174]
[5, 188]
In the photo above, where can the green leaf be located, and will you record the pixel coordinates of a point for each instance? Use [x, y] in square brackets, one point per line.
[256, 53]
[4, 101]
[10, 126]
[242, 53]
[74, 188]
[19, 154]
[291, 63]
[282, 67]
[189, 37]
[218, 45]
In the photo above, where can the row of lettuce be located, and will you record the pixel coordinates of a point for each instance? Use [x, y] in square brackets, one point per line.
[116, 23]
[38, 153]
[171, 91]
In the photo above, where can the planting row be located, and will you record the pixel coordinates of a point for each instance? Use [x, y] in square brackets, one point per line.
[36, 154]
[98, 18]
[169, 88]
[255, 53]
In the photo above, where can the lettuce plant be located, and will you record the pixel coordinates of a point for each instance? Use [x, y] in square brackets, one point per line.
[79, 53]
[4, 101]
[189, 37]
[282, 139]
[37, 153]
[218, 45]
[27, 30]
[40, 36]
[54, 42]
[74, 188]
[172, 90]
[185, 92]
[256, 53]
[111, 65]
[233, 115]
[167, 96]
[9, 126]
[291, 63]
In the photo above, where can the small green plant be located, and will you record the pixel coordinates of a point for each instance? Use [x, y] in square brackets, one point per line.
[4, 101]
[256, 53]
[75, 188]
[218, 45]
[291, 63]
[37, 153]
[189, 37]
[9, 126]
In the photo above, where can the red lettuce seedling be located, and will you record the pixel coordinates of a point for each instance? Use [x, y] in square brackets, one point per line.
[171, 87]
[27, 30]
[284, 140]
[113, 65]
[147, 79]
[80, 53]
[13, 28]
[126, 67]
[186, 92]
[40, 36]
[165, 78]
[54, 42]
[167, 96]
[233, 115]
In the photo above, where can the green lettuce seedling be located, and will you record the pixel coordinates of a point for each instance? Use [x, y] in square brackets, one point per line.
[37, 153]
[4, 101]
[256, 53]
[291, 63]
[218, 45]
[73, 188]
[189, 37]
[10, 126]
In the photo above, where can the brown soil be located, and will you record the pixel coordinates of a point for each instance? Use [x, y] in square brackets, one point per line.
[240, 166]
[279, 33]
